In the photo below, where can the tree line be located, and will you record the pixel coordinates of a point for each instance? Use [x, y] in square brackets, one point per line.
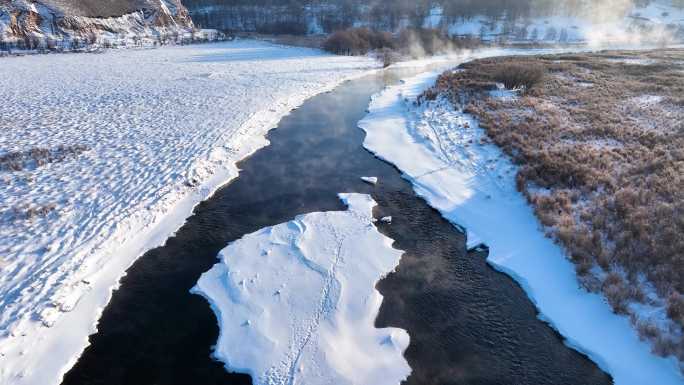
[311, 16]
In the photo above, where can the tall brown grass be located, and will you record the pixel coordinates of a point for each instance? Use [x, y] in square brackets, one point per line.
[611, 162]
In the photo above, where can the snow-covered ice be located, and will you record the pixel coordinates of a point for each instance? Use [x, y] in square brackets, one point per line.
[370, 179]
[156, 131]
[296, 302]
[473, 185]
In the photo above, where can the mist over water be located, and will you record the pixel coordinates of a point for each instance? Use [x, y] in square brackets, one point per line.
[629, 22]
[596, 23]
[610, 24]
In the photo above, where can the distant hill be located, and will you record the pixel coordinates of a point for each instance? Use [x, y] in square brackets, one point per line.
[48, 23]
[530, 20]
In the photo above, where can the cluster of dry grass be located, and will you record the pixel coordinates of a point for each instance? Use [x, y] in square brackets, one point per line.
[33, 212]
[38, 157]
[600, 143]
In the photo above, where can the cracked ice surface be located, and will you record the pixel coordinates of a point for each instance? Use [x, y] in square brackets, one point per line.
[103, 156]
[296, 302]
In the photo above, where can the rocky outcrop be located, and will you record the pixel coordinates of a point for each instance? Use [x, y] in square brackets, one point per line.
[32, 24]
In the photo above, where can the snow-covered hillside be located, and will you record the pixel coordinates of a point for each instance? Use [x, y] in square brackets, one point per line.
[296, 302]
[104, 156]
[54, 24]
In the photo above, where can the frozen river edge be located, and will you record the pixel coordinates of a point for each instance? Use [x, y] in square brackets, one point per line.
[466, 192]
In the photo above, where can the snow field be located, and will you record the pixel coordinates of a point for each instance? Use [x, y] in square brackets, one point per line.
[163, 129]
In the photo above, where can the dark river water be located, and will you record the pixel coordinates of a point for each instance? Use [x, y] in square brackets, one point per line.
[468, 323]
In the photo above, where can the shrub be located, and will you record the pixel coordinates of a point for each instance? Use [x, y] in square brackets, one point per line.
[675, 308]
[616, 292]
[519, 76]
[357, 41]
[414, 42]
[342, 43]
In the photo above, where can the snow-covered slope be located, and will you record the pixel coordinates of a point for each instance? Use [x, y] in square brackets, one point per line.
[103, 156]
[32, 24]
[472, 184]
[296, 302]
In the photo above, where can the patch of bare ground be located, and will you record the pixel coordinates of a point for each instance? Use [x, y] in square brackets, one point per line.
[599, 139]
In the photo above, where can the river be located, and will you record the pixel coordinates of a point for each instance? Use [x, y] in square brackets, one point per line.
[468, 323]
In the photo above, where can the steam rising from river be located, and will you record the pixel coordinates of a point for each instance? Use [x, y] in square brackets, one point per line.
[623, 22]
[604, 23]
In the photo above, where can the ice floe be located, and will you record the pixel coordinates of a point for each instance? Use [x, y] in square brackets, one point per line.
[296, 302]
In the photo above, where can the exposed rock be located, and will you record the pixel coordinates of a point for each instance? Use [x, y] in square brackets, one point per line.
[31, 24]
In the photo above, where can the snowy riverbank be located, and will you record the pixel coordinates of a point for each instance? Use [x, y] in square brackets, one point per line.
[473, 185]
[296, 302]
[103, 158]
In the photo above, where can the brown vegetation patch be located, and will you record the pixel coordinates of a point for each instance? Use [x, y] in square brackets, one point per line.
[38, 157]
[411, 42]
[609, 158]
[357, 41]
[33, 212]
